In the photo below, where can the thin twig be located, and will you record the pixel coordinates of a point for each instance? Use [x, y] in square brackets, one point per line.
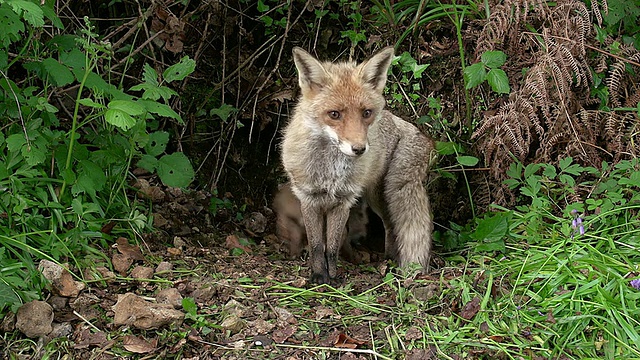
[24, 127]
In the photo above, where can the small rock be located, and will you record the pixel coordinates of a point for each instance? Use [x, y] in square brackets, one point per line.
[164, 266]
[233, 324]
[106, 273]
[233, 307]
[424, 293]
[60, 330]
[121, 263]
[159, 221]
[260, 327]
[178, 242]
[170, 296]
[61, 279]
[174, 252]
[203, 295]
[142, 272]
[58, 302]
[85, 305]
[134, 310]
[34, 318]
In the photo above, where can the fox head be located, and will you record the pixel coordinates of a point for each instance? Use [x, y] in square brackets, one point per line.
[342, 99]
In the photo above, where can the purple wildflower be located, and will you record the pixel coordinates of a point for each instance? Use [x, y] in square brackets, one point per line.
[635, 284]
[576, 223]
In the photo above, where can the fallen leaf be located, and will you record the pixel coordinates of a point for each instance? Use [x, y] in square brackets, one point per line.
[131, 251]
[347, 342]
[550, 318]
[139, 345]
[470, 309]
[233, 242]
[281, 335]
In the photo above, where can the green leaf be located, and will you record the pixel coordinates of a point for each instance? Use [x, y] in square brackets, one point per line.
[149, 75]
[11, 25]
[33, 155]
[474, 75]
[175, 170]
[493, 227]
[119, 119]
[499, 81]
[60, 74]
[8, 296]
[189, 305]
[148, 163]
[565, 162]
[31, 12]
[223, 112]
[161, 109]
[493, 59]
[447, 148]
[418, 70]
[15, 142]
[90, 103]
[91, 178]
[157, 143]
[180, 70]
[466, 160]
[153, 92]
[262, 7]
[130, 107]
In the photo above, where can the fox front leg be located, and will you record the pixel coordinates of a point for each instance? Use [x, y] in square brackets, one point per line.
[336, 230]
[313, 218]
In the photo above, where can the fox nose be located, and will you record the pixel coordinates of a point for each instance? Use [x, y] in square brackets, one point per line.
[359, 150]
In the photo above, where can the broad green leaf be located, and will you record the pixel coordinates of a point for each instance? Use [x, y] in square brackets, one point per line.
[33, 155]
[60, 74]
[31, 12]
[11, 25]
[466, 160]
[15, 142]
[4, 172]
[493, 59]
[157, 143]
[91, 178]
[161, 109]
[499, 81]
[565, 162]
[180, 70]
[119, 119]
[447, 148]
[90, 103]
[474, 75]
[130, 107]
[148, 163]
[149, 75]
[175, 170]
[153, 92]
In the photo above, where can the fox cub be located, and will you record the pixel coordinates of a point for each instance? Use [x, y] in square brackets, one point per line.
[290, 226]
[341, 144]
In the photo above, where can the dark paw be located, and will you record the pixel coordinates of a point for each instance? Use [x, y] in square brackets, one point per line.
[322, 278]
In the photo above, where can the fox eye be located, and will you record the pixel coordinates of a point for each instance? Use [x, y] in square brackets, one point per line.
[367, 113]
[335, 115]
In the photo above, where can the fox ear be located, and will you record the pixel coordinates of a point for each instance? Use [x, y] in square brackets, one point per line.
[311, 73]
[374, 70]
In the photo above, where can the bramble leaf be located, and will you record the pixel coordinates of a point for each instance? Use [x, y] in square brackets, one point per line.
[493, 59]
[474, 75]
[499, 81]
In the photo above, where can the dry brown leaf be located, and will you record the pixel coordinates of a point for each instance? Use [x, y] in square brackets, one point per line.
[470, 309]
[139, 345]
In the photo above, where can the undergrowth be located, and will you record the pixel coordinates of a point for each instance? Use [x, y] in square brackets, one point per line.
[550, 279]
[65, 165]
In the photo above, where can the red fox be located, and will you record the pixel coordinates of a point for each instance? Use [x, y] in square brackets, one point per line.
[341, 144]
[290, 226]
